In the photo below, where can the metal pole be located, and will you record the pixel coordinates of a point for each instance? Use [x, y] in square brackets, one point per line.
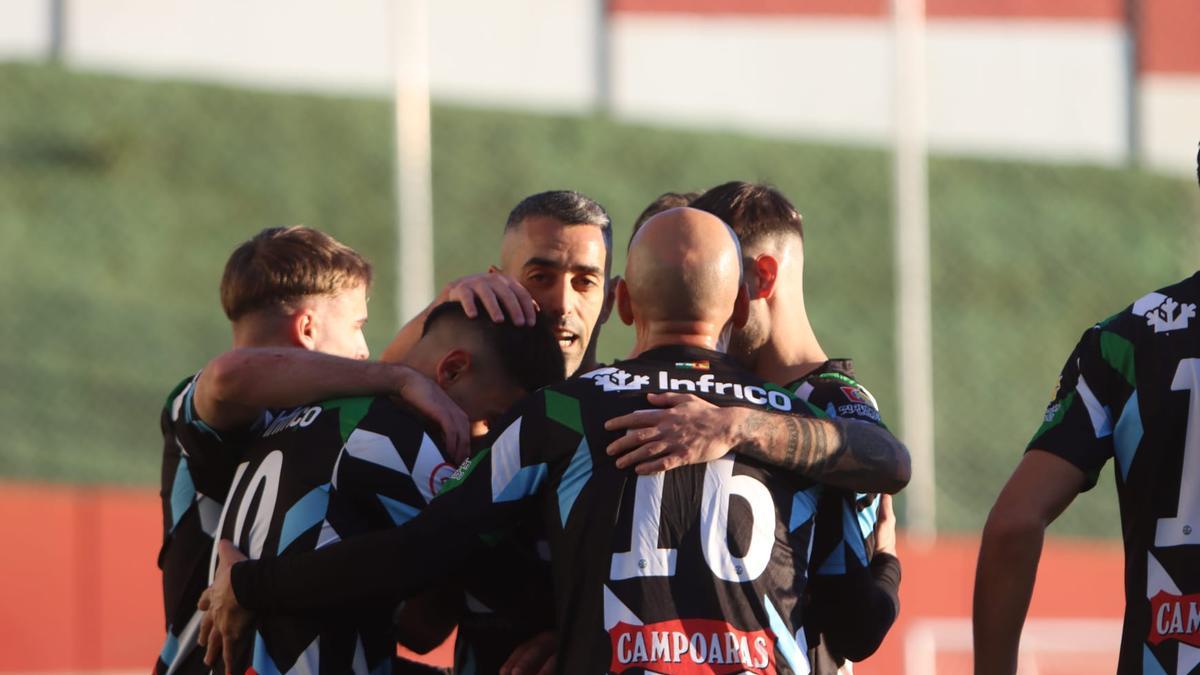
[57, 39]
[603, 52]
[913, 311]
[414, 174]
[1133, 122]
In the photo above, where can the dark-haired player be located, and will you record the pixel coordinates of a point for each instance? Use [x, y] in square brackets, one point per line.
[337, 469]
[285, 288]
[1130, 392]
[556, 251]
[697, 567]
[856, 575]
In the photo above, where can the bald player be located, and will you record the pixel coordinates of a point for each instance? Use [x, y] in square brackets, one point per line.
[665, 572]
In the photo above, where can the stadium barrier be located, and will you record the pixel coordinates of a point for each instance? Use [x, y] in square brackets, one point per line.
[80, 592]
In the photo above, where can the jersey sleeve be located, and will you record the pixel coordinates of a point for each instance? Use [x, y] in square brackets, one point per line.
[1078, 422]
[483, 498]
[838, 395]
[209, 457]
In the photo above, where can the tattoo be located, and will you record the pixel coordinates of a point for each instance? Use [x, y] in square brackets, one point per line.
[846, 453]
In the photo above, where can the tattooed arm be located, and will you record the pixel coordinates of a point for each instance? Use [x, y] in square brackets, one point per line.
[846, 453]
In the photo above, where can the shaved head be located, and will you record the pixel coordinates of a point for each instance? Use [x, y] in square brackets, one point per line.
[684, 265]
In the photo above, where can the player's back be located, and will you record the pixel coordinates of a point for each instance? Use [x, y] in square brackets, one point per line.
[1131, 391]
[316, 475]
[698, 569]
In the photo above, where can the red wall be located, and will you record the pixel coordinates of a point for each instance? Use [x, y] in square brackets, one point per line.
[1169, 30]
[79, 589]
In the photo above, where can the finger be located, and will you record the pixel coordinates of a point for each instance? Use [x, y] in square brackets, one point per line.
[669, 400]
[548, 668]
[487, 296]
[647, 417]
[512, 305]
[528, 306]
[204, 600]
[458, 436]
[464, 296]
[633, 439]
[645, 453]
[213, 651]
[228, 639]
[659, 465]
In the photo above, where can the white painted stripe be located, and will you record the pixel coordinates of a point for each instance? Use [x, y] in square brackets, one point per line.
[1101, 419]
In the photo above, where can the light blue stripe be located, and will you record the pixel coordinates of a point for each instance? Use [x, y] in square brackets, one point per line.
[851, 533]
[183, 492]
[263, 665]
[785, 642]
[1128, 434]
[304, 514]
[1150, 665]
[804, 505]
[524, 483]
[578, 472]
[170, 648]
[400, 512]
[868, 517]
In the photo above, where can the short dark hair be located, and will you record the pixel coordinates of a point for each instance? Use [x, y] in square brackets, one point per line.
[528, 355]
[280, 265]
[664, 202]
[569, 208]
[753, 211]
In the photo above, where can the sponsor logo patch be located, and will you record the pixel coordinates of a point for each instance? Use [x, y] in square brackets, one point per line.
[615, 379]
[855, 395]
[1167, 315]
[1175, 617]
[691, 647]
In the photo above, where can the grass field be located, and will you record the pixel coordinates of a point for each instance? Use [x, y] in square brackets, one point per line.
[120, 199]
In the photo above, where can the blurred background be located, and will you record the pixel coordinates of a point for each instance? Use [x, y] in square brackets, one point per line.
[980, 181]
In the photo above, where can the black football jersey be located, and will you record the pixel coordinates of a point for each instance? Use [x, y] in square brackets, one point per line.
[316, 475]
[843, 543]
[697, 570]
[197, 465]
[1131, 392]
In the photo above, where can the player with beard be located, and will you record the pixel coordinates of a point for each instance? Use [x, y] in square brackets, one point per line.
[296, 301]
[854, 561]
[724, 576]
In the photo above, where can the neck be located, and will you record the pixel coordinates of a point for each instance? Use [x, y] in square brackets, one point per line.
[677, 334]
[250, 332]
[792, 350]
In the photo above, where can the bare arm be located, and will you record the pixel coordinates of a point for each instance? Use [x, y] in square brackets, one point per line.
[234, 388]
[846, 453]
[1042, 486]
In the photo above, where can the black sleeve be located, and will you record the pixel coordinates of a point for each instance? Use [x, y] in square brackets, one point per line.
[855, 611]
[480, 502]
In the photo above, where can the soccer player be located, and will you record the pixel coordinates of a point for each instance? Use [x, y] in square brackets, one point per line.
[1130, 391]
[853, 567]
[647, 569]
[336, 469]
[282, 289]
[556, 252]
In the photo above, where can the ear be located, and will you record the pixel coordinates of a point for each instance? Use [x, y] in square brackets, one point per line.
[624, 304]
[452, 367]
[610, 299]
[492, 269]
[302, 329]
[741, 308]
[766, 275]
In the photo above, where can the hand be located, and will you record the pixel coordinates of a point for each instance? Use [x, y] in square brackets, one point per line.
[493, 289]
[885, 526]
[225, 621]
[430, 400]
[685, 430]
[535, 657]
